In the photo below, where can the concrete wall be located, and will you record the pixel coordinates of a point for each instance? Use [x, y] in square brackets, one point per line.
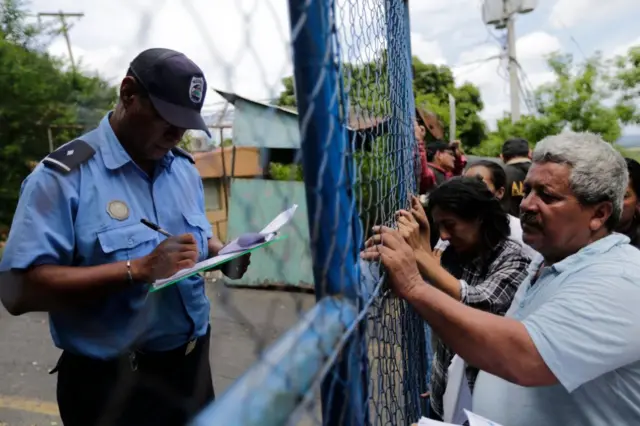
[253, 204]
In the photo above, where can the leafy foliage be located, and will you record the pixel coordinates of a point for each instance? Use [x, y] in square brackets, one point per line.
[186, 142]
[596, 95]
[432, 85]
[289, 172]
[370, 96]
[626, 82]
[38, 95]
[287, 97]
[376, 178]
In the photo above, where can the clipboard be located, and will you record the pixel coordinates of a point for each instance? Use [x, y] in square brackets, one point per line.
[208, 264]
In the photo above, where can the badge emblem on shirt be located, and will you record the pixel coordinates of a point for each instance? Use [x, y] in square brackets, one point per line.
[196, 89]
[118, 210]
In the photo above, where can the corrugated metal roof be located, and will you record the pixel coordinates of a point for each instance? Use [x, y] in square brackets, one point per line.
[358, 119]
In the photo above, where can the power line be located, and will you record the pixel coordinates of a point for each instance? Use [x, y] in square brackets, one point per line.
[502, 13]
[526, 98]
[529, 87]
[478, 62]
[571, 37]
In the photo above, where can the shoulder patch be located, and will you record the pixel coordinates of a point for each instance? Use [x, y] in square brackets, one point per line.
[182, 153]
[69, 156]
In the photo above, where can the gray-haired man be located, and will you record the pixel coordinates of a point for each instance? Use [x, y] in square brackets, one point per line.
[568, 350]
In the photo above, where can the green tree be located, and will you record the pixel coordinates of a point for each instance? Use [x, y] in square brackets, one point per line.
[288, 172]
[589, 96]
[371, 96]
[38, 95]
[432, 85]
[187, 141]
[287, 97]
[626, 82]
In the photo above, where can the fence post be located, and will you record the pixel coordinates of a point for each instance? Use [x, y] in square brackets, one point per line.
[415, 336]
[328, 181]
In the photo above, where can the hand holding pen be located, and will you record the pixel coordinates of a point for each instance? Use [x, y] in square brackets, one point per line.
[170, 256]
[155, 227]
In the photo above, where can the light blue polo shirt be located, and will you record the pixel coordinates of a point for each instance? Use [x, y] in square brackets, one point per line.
[583, 315]
[65, 219]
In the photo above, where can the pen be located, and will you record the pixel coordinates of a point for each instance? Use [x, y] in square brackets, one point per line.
[155, 227]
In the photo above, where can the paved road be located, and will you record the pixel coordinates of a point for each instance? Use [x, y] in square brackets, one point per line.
[242, 321]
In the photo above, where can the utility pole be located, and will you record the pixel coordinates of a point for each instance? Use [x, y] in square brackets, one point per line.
[501, 14]
[64, 29]
[452, 118]
[514, 82]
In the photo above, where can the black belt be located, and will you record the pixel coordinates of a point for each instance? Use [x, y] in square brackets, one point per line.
[134, 357]
[179, 352]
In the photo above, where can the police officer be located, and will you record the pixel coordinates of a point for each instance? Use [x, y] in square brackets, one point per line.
[129, 357]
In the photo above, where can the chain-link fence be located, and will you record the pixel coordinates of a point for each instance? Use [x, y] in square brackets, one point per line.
[360, 351]
[338, 141]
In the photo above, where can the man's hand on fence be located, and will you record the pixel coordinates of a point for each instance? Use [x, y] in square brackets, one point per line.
[388, 246]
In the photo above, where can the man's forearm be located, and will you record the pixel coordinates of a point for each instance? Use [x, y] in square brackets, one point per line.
[112, 276]
[498, 345]
[430, 268]
[49, 288]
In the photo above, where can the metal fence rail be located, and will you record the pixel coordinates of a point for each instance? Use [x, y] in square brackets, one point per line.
[360, 351]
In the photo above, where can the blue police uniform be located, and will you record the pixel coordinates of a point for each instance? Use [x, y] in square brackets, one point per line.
[81, 207]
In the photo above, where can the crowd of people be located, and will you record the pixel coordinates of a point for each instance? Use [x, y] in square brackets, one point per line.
[527, 271]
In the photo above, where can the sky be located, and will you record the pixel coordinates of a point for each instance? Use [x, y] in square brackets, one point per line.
[243, 45]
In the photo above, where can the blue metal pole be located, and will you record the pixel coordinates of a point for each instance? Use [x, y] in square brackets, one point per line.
[327, 176]
[270, 391]
[400, 71]
[422, 342]
[426, 349]
[394, 70]
[410, 108]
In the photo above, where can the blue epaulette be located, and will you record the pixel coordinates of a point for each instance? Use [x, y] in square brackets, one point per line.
[183, 153]
[69, 156]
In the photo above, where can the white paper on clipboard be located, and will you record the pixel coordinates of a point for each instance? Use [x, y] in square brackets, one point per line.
[269, 232]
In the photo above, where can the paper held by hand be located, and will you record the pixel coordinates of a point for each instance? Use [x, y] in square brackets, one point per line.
[279, 221]
[250, 239]
[474, 420]
[243, 244]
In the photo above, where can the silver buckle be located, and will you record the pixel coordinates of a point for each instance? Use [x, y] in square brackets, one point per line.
[190, 347]
[133, 361]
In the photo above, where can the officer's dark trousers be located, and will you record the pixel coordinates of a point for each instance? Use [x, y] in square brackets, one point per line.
[157, 389]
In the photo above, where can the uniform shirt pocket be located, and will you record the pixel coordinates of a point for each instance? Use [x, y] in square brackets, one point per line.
[198, 225]
[127, 242]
